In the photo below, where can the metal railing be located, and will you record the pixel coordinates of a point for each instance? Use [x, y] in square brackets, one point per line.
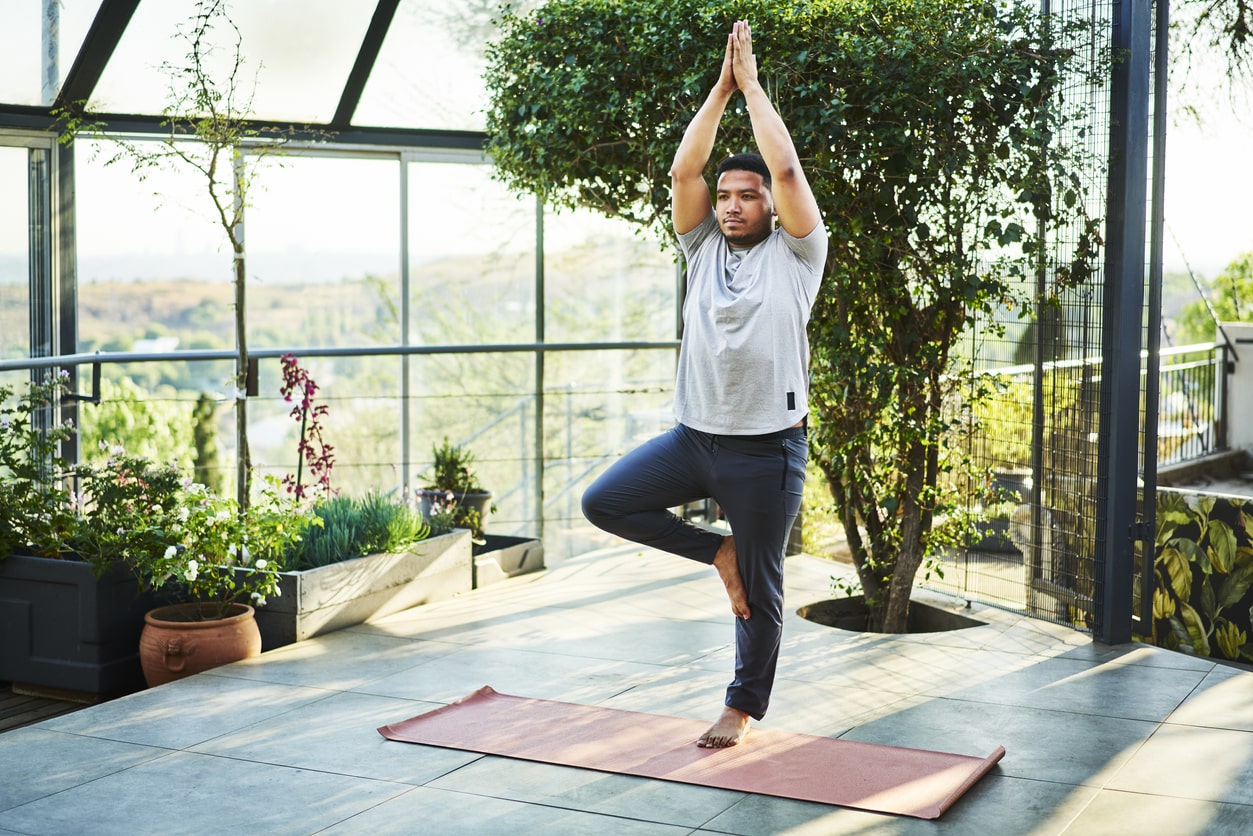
[1192, 402]
[537, 485]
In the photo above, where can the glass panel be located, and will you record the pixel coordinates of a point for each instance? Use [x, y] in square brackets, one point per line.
[597, 406]
[22, 44]
[362, 422]
[603, 282]
[485, 403]
[472, 257]
[297, 55]
[429, 73]
[154, 265]
[324, 253]
[14, 254]
[19, 54]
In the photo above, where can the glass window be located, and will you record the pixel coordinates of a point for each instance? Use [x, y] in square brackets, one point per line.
[25, 41]
[486, 403]
[154, 264]
[597, 406]
[471, 257]
[297, 55]
[324, 252]
[362, 422]
[14, 254]
[429, 72]
[605, 283]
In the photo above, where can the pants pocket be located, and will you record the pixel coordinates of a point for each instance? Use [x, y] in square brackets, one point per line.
[795, 455]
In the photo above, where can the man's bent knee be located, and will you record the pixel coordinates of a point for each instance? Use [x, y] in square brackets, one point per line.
[597, 507]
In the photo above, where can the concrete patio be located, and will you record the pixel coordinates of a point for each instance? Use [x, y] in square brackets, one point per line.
[1099, 739]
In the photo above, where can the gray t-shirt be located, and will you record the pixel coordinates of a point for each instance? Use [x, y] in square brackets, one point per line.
[744, 361]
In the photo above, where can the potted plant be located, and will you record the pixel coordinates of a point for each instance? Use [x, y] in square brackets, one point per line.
[453, 496]
[131, 536]
[72, 621]
[219, 561]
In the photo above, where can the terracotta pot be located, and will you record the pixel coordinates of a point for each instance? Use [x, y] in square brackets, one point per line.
[185, 639]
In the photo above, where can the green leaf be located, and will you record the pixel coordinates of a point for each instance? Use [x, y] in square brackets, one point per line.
[1193, 629]
[1177, 571]
[1222, 546]
[1236, 584]
[1206, 599]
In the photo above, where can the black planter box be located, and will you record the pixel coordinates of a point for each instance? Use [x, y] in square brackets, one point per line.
[63, 629]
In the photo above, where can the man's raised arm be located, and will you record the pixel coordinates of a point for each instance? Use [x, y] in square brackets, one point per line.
[689, 202]
[793, 198]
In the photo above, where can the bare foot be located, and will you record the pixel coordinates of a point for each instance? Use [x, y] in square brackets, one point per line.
[729, 571]
[730, 729]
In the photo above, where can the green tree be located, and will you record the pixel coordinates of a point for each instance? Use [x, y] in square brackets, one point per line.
[1222, 25]
[206, 460]
[1228, 298]
[152, 427]
[929, 130]
[212, 136]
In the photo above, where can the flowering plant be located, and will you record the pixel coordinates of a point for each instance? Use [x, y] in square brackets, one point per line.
[176, 535]
[312, 447]
[33, 501]
[212, 553]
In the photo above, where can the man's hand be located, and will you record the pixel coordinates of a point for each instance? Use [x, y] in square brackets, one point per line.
[726, 79]
[743, 61]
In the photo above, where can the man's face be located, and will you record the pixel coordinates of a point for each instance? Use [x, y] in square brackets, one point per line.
[745, 207]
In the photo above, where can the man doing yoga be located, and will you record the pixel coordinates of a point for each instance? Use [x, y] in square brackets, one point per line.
[742, 383]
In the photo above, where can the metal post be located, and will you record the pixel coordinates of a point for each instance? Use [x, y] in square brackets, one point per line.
[1118, 436]
[406, 453]
[50, 51]
[540, 304]
[1144, 618]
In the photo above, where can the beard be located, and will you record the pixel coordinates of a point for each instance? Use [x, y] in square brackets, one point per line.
[744, 235]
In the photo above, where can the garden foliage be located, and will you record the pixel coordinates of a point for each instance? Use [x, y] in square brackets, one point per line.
[930, 131]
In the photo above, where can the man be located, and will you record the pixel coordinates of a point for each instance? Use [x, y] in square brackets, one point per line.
[742, 384]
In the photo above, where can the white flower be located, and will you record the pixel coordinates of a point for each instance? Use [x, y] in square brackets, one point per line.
[170, 552]
[193, 569]
[183, 514]
[258, 599]
[261, 564]
[278, 592]
[245, 558]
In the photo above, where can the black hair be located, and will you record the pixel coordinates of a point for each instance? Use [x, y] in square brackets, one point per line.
[745, 162]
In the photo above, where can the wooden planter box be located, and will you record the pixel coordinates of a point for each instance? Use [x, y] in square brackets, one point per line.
[328, 598]
[62, 629]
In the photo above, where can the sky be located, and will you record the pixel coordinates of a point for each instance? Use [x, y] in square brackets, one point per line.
[1209, 188]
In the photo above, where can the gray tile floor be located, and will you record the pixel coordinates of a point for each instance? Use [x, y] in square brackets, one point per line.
[1099, 739]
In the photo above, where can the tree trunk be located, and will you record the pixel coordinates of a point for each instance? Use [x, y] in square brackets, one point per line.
[243, 473]
[235, 231]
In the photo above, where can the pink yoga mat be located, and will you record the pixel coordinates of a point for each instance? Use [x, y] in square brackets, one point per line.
[886, 779]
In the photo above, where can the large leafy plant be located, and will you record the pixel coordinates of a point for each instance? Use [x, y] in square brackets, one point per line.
[1203, 572]
[930, 131]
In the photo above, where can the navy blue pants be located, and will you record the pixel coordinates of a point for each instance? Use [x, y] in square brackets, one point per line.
[758, 482]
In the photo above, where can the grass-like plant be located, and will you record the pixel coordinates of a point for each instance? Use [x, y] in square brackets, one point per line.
[353, 527]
